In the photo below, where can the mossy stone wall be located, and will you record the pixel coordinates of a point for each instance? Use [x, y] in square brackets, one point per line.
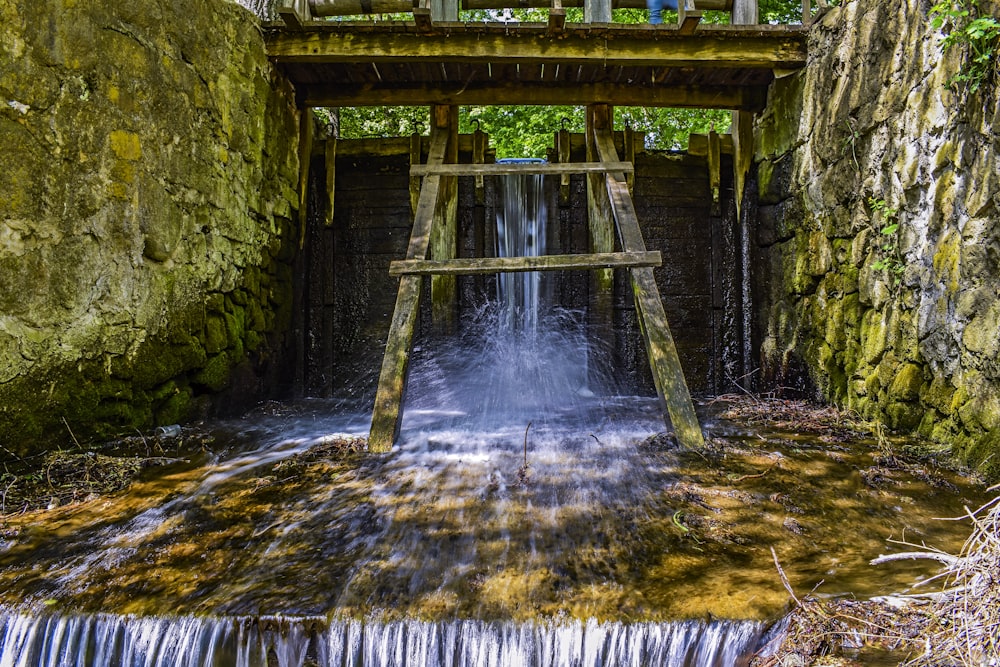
[903, 326]
[148, 181]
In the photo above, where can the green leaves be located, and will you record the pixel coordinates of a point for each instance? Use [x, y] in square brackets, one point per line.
[889, 255]
[980, 35]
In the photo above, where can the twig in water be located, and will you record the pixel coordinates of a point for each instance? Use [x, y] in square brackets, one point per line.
[757, 476]
[597, 439]
[784, 579]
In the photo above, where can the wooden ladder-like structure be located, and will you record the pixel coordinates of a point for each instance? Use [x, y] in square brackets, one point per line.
[618, 213]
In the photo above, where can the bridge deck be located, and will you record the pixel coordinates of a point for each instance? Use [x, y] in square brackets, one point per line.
[340, 63]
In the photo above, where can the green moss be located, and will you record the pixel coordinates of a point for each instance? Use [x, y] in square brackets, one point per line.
[215, 374]
[176, 406]
[907, 383]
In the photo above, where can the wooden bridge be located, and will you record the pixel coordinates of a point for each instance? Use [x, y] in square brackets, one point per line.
[434, 59]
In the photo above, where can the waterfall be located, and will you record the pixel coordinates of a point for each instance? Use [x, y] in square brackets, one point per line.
[521, 232]
[104, 640]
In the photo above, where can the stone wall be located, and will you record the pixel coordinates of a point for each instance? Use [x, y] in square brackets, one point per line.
[901, 324]
[149, 170]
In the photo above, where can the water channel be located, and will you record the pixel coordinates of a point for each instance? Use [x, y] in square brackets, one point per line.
[529, 515]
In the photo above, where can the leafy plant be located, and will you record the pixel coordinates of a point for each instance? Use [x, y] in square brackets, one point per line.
[890, 262]
[963, 26]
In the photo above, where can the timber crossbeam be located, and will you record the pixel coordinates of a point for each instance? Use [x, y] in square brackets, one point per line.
[502, 169]
[486, 265]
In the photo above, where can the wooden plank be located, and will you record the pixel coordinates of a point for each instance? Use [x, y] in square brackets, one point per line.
[597, 11]
[330, 160]
[745, 12]
[444, 236]
[294, 13]
[698, 144]
[422, 19]
[563, 143]
[387, 413]
[722, 46]
[306, 127]
[479, 142]
[715, 171]
[750, 98]
[806, 12]
[323, 8]
[557, 18]
[689, 23]
[660, 349]
[486, 265]
[505, 168]
[415, 155]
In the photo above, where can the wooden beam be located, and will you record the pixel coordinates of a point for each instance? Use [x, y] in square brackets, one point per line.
[388, 411]
[306, 131]
[680, 96]
[444, 238]
[294, 13]
[485, 265]
[663, 360]
[716, 46]
[479, 142]
[415, 157]
[557, 17]
[563, 153]
[330, 160]
[745, 12]
[323, 8]
[698, 144]
[715, 171]
[597, 11]
[505, 168]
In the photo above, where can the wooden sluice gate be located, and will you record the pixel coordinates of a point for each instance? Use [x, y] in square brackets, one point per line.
[436, 60]
[616, 217]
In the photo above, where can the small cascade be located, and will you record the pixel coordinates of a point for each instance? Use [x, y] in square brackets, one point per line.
[104, 640]
[521, 232]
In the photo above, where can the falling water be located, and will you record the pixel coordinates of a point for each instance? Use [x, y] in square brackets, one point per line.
[522, 519]
[521, 232]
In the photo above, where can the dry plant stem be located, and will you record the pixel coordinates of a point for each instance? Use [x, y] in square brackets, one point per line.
[784, 579]
[526, 444]
[71, 434]
[916, 555]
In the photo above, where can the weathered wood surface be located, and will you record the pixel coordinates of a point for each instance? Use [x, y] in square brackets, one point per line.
[330, 160]
[715, 171]
[750, 98]
[444, 235]
[698, 144]
[519, 168]
[294, 13]
[306, 133]
[387, 413]
[467, 266]
[663, 359]
[715, 46]
[325, 8]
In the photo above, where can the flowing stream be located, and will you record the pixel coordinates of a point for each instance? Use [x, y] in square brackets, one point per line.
[528, 516]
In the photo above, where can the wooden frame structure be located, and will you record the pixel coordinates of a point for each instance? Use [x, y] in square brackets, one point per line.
[617, 216]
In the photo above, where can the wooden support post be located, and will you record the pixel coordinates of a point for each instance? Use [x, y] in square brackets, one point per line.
[388, 412]
[806, 12]
[306, 131]
[600, 226]
[415, 157]
[597, 11]
[714, 171]
[444, 10]
[745, 12]
[479, 142]
[330, 160]
[444, 239]
[663, 360]
[294, 13]
[422, 15]
[557, 17]
[688, 17]
[628, 137]
[563, 155]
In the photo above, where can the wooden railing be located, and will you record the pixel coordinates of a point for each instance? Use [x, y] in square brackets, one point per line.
[297, 12]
